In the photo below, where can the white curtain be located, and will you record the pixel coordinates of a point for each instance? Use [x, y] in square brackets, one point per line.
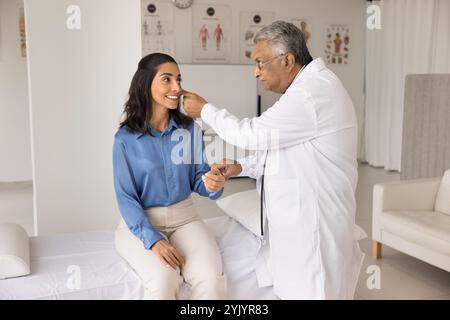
[414, 38]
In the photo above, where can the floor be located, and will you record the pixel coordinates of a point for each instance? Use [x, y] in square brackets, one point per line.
[401, 276]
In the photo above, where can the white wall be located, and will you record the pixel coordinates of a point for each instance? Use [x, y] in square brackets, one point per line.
[15, 149]
[79, 80]
[318, 13]
[217, 92]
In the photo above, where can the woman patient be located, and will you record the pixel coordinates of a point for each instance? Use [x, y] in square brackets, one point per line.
[158, 160]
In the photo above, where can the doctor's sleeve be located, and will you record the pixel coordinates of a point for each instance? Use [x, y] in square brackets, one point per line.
[128, 200]
[290, 121]
[251, 166]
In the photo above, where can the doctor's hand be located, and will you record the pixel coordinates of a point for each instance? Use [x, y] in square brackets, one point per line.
[229, 168]
[168, 254]
[193, 104]
[213, 180]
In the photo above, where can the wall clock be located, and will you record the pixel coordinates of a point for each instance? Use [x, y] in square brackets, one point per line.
[182, 4]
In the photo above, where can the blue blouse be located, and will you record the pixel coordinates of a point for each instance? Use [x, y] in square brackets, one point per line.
[157, 171]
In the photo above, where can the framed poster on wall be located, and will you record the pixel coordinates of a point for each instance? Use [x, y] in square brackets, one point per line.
[157, 27]
[23, 42]
[251, 23]
[337, 44]
[305, 27]
[1, 46]
[211, 33]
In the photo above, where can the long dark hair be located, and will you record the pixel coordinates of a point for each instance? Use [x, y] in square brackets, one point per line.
[138, 108]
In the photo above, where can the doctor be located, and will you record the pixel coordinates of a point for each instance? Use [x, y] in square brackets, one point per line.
[305, 160]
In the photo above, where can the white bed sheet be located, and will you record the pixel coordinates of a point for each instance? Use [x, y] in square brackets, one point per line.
[56, 260]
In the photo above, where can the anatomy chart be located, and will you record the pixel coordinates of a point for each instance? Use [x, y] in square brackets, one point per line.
[305, 27]
[251, 23]
[157, 27]
[23, 42]
[1, 40]
[337, 44]
[211, 38]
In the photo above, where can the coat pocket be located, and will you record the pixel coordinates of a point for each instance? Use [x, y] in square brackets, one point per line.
[283, 206]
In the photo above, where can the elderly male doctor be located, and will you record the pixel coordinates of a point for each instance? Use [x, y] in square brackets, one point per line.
[307, 140]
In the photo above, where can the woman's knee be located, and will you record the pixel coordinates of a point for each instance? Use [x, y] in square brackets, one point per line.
[211, 287]
[162, 285]
[204, 270]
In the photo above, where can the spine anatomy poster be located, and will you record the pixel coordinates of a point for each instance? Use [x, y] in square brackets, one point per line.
[337, 44]
[251, 23]
[157, 27]
[211, 38]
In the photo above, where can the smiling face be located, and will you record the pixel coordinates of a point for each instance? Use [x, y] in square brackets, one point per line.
[166, 86]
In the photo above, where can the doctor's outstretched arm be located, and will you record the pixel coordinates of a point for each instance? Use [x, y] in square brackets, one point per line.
[285, 124]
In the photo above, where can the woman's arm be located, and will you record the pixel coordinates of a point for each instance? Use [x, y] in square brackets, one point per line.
[201, 167]
[128, 200]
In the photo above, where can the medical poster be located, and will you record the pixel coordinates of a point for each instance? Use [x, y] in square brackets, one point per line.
[157, 27]
[211, 38]
[1, 47]
[23, 43]
[305, 27]
[337, 44]
[251, 23]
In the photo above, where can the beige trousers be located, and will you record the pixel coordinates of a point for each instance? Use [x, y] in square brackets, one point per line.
[180, 225]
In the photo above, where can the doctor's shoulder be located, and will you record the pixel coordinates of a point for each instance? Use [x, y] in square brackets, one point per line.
[314, 86]
[296, 92]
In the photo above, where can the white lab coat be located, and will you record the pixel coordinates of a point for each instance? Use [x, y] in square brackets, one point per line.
[310, 182]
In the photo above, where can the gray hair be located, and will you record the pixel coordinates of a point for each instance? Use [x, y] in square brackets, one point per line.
[284, 37]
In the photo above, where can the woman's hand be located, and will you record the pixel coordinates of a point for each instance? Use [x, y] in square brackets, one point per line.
[228, 168]
[168, 254]
[214, 180]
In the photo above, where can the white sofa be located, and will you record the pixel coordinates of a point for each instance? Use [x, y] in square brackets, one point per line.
[413, 216]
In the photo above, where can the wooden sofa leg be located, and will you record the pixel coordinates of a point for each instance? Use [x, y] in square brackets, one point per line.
[376, 249]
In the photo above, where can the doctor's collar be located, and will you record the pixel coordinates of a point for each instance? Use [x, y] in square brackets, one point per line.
[295, 78]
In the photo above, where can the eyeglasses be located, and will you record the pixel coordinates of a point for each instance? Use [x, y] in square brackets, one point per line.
[261, 64]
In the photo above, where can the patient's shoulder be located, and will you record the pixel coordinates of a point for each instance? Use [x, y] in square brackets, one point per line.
[124, 134]
[195, 129]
